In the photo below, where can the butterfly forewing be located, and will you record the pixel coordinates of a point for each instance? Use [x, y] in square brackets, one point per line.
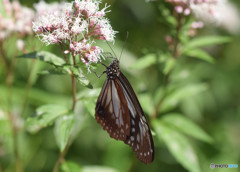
[119, 112]
[111, 112]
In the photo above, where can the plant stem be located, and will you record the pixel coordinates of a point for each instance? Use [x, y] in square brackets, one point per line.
[28, 86]
[177, 40]
[3, 57]
[62, 50]
[12, 120]
[74, 95]
[175, 54]
[74, 90]
[0, 168]
[158, 106]
[61, 157]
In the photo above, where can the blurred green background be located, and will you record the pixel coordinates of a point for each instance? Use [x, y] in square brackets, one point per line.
[213, 102]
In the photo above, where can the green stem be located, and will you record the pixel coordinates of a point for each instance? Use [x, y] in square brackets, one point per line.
[12, 121]
[74, 90]
[61, 157]
[177, 40]
[175, 54]
[74, 95]
[28, 86]
[3, 57]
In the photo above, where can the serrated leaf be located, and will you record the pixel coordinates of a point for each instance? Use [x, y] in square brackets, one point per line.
[173, 99]
[178, 145]
[63, 128]
[185, 125]
[206, 41]
[45, 57]
[200, 54]
[145, 61]
[45, 116]
[79, 75]
[69, 166]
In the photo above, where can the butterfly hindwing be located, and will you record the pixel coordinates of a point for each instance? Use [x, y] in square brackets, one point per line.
[140, 138]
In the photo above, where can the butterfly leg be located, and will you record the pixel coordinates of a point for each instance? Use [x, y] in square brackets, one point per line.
[96, 73]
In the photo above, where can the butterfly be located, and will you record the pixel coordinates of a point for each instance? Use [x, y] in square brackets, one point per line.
[120, 114]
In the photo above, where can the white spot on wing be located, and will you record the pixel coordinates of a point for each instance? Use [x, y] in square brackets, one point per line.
[133, 130]
[132, 122]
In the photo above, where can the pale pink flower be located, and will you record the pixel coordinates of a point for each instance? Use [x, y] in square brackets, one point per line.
[20, 44]
[18, 20]
[179, 9]
[197, 25]
[77, 25]
[216, 12]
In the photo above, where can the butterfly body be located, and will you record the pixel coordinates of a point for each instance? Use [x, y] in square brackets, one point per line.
[120, 114]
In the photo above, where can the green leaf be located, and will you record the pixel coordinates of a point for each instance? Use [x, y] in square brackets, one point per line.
[200, 54]
[68, 69]
[173, 99]
[63, 129]
[2, 9]
[89, 104]
[98, 169]
[169, 65]
[146, 102]
[78, 73]
[5, 128]
[167, 15]
[93, 93]
[145, 61]
[54, 71]
[179, 146]
[45, 57]
[45, 116]
[185, 125]
[89, 98]
[69, 166]
[206, 41]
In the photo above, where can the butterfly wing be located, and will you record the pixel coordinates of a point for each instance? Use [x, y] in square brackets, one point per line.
[111, 110]
[140, 138]
[119, 112]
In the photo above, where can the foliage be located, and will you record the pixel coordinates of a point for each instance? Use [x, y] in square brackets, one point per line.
[191, 103]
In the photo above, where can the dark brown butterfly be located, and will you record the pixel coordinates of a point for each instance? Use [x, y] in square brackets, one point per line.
[120, 114]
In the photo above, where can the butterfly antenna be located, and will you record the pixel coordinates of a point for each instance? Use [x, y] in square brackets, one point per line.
[123, 46]
[112, 50]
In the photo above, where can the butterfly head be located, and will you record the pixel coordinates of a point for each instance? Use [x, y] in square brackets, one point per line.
[113, 69]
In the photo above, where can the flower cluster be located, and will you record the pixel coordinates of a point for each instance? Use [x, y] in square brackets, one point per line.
[15, 19]
[219, 12]
[75, 25]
